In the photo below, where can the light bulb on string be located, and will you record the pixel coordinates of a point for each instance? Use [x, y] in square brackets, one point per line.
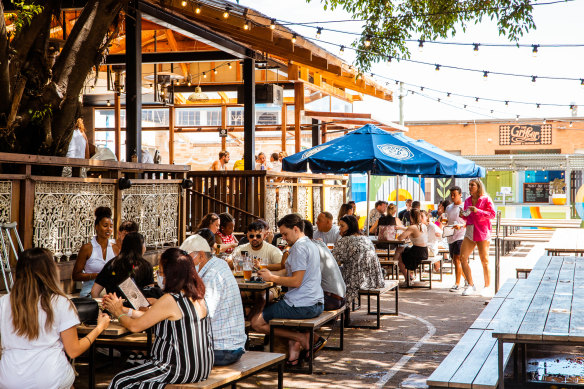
[204, 75]
[273, 24]
[544, 121]
[485, 75]
[318, 32]
[571, 124]
[229, 65]
[389, 59]
[367, 41]
[226, 12]
[294, 38]
[506, 102]
[476, 47]
[108, 103]
[534, 50]
[533, 78]
[198, 9]
[582, 81]
[342, 50]
[184, 3]
[448, 94]
[538, 105]
[246, 26]
[215, 71]
[437, 67]
[516, 118]
[477, 99]
[420, 44]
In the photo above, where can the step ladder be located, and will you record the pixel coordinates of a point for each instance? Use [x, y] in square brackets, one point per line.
[6, 240]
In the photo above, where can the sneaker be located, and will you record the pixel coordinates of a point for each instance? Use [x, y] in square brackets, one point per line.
[455, 288]
[487, 292]
[469, 291]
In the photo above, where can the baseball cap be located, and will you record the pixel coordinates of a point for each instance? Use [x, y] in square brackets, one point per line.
[195, 243]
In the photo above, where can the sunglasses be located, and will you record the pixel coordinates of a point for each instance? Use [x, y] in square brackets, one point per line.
[257, 236]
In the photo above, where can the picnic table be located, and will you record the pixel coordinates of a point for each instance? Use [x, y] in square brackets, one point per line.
[248, 286]
[113, 331]
[566, 241]
[544, 309]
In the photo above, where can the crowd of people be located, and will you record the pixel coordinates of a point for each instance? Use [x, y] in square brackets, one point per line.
[261, 161]
[196, 308]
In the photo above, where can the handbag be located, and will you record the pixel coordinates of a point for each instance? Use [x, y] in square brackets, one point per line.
[386, 233]
[87, 309]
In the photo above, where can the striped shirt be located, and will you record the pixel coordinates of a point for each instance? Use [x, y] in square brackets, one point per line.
[182, 352]
[225, 307]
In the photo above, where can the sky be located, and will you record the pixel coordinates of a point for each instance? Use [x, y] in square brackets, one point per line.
[555, 24]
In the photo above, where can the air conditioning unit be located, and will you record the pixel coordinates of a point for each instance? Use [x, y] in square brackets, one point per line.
[265, 94]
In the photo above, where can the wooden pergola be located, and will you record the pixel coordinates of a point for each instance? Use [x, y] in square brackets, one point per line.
[196, 45]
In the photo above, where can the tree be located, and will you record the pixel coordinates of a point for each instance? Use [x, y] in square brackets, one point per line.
[389, 23]
[40, 82]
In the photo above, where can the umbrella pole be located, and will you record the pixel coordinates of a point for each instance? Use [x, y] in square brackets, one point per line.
[367, 200]
[397, 192]
[420, 185]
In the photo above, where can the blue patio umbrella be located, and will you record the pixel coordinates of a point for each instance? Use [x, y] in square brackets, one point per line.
[372, 150]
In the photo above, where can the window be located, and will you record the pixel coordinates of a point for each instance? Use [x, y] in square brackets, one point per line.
[235, 116]
[186, 117]
[153, 117]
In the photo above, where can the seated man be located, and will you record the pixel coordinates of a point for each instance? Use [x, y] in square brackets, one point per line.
[259, 248]
[223, 301]
[221, 163]
[332, 282]
[328, 233]
[304, 299]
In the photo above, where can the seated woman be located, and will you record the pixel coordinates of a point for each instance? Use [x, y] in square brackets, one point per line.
[345, 209]
[388, 220]
[129, 263]
[94, 255]
[183, 347]
[210, 221]
[38, 323]
[125, 228]
[224, 236]
[409, 258]
[356, 253]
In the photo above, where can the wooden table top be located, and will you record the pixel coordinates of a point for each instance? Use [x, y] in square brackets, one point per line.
[547, 306]
[114, 330]
[567, 240]
[243, 285]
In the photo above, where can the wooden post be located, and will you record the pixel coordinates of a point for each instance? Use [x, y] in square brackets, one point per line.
[249, 114]
[323, 130]
[182, 212]
[133, 82]
[26, 222]
[117, 211]
[284, 123]
[171, 135]
[298, 108]
[223, 126]
[117, 121]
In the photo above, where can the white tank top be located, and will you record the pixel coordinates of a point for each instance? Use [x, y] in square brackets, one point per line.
[96, 262]
[421, 240]
[77, 145]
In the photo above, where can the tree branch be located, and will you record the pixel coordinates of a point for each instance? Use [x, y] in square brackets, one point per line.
[4, 69]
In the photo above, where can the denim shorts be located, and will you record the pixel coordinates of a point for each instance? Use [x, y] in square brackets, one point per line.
[227, 357]
[281, 310]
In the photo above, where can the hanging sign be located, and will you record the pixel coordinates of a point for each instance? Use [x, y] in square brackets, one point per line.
[525, 134]
[223, 133]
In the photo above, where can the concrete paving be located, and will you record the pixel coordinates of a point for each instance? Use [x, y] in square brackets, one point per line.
[407, 348]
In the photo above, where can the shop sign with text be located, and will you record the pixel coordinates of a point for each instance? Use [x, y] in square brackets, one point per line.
[525, 134]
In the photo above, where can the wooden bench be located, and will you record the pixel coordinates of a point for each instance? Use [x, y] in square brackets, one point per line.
[389, 285]
[311, 325]
[472, 363]
[251, 363]
[392, 269]
[430, 263]
[523, 272]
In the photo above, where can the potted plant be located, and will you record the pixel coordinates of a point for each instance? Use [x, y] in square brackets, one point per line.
[558, 189]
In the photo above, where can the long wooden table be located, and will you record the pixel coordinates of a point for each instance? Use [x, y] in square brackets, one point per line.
[246, 286]
[545, 309]
[566, 241]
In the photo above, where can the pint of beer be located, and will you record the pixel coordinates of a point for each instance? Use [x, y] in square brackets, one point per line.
[247, 268]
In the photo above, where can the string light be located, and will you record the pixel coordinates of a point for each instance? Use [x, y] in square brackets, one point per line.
[477, 99]
[534, 50]
[204, 75]
[273, 24]
[571, 124]
[229, 65]
[215, 71]
[582, 81]
[538, 105]
[448, 94]
[506, 102]
[294, 38]
[184, 3]
[342, 49]
[476, 47]
[437, 67]
[420, 44]
[318, 32]
[246, 26]
[485, 74]
[517, 118]
[533, 78]
[198, 9]
[368, 41]
[544, 121]
[108, 103]
[226, 12]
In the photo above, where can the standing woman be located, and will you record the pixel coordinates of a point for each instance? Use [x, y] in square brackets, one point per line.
[183, 343]
[94, 255]
[38, 323]
[478, 232]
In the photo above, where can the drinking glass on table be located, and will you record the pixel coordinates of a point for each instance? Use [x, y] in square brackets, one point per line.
[264, 263]
[238, 264]
[247, 268]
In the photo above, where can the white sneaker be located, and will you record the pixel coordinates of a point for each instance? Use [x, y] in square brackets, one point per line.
[455, 288]
[486, 292]
[469, 291]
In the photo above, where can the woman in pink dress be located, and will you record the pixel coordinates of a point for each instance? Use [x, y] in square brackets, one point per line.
[478, 212]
